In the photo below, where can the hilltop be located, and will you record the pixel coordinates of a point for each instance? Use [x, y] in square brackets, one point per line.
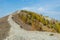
[36, 22]
[19, 23]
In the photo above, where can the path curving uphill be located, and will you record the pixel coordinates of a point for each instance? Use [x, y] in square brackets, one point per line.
[17, 33]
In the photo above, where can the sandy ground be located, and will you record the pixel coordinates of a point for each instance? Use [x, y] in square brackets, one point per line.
[17, 33]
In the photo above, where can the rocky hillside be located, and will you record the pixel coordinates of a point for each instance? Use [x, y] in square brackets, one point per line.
[22, 24]
[35, 22]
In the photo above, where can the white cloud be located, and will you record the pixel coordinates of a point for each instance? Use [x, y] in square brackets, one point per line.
[35, 9]
[45, 11]
[41, 9]
[29, 8]
[26, 8]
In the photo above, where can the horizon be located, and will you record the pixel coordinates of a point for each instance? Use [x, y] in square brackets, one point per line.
[49, 8]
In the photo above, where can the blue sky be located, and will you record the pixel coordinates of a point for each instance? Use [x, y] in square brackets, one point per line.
[49, 8]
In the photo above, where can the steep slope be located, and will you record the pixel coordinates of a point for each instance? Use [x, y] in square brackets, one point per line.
[34, 22]
[18, 33]
[4, 28]
[30, 23]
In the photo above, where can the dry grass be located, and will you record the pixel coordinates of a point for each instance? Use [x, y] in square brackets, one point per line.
[34, 27]
[17, 19]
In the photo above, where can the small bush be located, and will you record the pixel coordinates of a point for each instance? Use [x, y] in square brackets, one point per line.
[51, 34]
